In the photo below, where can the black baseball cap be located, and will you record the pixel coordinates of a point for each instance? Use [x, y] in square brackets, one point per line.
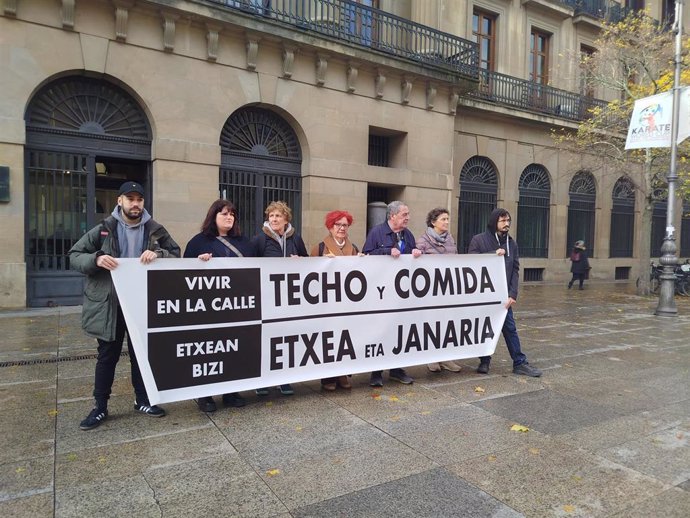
[128, 187]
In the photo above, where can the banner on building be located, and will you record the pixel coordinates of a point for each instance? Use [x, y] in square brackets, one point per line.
[227, 325]
[651, 121]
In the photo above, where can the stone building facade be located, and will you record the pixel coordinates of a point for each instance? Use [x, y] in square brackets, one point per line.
[324, 103]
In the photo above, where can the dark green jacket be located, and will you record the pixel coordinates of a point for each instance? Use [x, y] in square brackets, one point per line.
[99, 312]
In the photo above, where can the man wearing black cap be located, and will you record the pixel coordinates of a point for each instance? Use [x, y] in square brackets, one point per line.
[128, 232]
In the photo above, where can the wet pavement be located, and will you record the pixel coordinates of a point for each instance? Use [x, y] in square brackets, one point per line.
[608, 427]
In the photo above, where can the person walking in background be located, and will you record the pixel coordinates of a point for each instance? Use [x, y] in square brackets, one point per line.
[393, 238]
[497, 241]
[278, 238]
[128, 232]
[580, 264]
[437, 240]
[220, 236]
[336, 244]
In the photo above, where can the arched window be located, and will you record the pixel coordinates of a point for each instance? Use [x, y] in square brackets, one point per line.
[478, 194]
[260, 162]
[583, 193]
[84, 137]
[622, 219]
[685, 231]
[533, 211]
[658, 223]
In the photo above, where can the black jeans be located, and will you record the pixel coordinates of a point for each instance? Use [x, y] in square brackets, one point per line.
[577, 276]
[108, 356]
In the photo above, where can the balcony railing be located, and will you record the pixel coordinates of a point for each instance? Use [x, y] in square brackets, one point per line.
[372, 28]
[607, 10]
[528, 95]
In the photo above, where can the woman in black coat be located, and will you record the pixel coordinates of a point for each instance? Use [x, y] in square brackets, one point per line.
[220, 236]
[580, 263]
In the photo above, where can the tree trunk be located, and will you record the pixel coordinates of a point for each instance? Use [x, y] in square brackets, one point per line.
[644, 247]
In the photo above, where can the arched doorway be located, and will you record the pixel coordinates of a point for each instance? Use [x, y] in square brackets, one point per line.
[581, 211]
[84, 138]
[478, 194]
[261, 161]
[533, 211]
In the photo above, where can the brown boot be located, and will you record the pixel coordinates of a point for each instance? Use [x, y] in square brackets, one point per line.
[328, 384]
[344, 382]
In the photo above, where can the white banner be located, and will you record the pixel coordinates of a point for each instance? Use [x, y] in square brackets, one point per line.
[227, 325]
[651, 120]
[650, 123]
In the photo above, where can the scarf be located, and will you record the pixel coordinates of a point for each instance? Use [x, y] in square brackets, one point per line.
[280, 239]
[331, 247]
[439, 239]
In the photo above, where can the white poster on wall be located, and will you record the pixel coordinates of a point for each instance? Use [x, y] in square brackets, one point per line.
[232, 324]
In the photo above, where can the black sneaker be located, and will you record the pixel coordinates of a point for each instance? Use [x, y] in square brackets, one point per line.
[400, 376]
[152, 411]
[234, 400]
[206, 404]
[376, 379]
[94, 419]
[483, 368]
[525, 369]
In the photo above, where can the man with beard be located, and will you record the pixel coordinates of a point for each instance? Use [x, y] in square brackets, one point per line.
[497, 241]
[128, 232]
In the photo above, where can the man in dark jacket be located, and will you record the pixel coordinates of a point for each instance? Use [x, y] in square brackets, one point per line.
[128, 232]
[497, 241]
[392, 237]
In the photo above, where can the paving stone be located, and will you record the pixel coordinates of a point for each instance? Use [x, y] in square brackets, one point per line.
[26, 478]
[673, 503]
[28, 507]
[27, 434]
[665, 455]
[443, 495]
[554, 480]
[547, 411]
[118, 498]
[321, 477]
[220, 486]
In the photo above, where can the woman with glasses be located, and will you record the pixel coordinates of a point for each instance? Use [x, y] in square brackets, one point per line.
[437, 240]
[220, 236]
[336, 244]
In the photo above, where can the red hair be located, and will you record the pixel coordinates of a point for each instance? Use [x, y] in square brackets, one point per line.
[335, 215]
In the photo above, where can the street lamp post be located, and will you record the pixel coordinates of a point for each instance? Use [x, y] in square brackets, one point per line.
[667, 303]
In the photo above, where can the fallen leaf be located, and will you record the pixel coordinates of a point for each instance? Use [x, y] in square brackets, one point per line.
[680, 435]
[534, 451]
[376, 396]
[479, 389]
[101, 459]
[577, 478]
[569, 508]
[492, 458]
[72, 456]
[298, 429]
[519, 428]
[268, 403]
[20, 470]
[393, 398]
[52, 413]
[273, 472]
[395, 418]
[424, 412]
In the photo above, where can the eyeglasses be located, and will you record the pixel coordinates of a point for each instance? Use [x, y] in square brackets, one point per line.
[341, 225]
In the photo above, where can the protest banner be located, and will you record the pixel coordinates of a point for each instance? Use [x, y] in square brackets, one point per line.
[227, 325]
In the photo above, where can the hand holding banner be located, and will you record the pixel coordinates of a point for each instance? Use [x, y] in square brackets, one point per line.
[226, 325]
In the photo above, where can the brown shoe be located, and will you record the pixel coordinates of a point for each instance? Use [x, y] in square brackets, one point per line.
[344, 382]
[328, 384]
[434, 367]
[451, 366]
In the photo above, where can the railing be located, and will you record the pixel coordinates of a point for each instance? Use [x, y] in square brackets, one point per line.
[528, 95]
[365, 26]
[607, 10]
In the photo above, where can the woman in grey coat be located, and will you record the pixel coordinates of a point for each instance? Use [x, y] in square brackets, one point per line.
[437, 240]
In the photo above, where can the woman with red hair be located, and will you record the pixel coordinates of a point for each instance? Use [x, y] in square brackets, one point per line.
[336, 244]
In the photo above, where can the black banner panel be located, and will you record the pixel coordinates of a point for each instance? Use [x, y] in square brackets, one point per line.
[200, 297]
[201, 356]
